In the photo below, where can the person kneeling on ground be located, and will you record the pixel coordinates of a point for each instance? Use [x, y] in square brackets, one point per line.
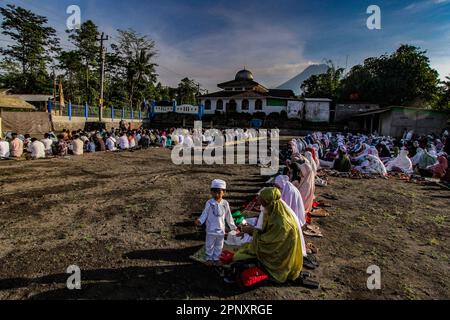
[278, 245]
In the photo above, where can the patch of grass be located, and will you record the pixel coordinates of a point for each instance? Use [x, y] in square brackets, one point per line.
[388, 215]
[165, 233]
[440, 219]
[434, 242]
[409, 292]
[89, 239]
[109, 248]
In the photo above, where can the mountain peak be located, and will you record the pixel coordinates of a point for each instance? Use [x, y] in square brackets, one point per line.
[295, 83]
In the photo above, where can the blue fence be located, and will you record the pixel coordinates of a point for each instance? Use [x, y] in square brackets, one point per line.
[85, 111]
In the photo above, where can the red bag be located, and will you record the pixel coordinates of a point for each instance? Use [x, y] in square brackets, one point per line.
[252, 277]
[226, 257]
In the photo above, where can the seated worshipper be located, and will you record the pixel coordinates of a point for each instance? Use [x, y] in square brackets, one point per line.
[400, 164]
[99, 143]
[372, 165]
[439, 170]
[89, 145]
[48, 144]
[216, 212]
[110, 144]
[427, 159]
[123, 142]
[303, 180]
[131, 140]
[277, 246]
[145, 140]
[37, 149]
[291, 195]
[383, 151]
[16, 146]
[342, 163]
[4, 149]
[309, 156]
[27, 143]
[61, 148]
[77, 146]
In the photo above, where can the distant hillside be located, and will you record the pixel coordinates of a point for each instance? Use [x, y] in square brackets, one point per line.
[295, 83]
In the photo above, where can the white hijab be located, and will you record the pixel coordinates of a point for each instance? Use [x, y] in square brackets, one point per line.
[291, 195]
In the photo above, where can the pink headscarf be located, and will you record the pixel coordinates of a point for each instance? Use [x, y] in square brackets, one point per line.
[291, 195]
[306, 186]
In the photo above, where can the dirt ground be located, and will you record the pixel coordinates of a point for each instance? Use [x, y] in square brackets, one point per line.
[126, 219]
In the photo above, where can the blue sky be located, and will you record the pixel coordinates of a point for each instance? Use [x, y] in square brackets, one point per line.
[211, 40]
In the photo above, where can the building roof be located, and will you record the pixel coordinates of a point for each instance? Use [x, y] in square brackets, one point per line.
[244, 75]
[368, 113]
[317, 99]
[238, 84]
[275, 93]
[11, 102]
[33, 97]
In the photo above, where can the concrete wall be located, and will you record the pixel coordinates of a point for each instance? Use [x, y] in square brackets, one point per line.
[421, 121]
[63, 122]
[317, 111]
[346, 111]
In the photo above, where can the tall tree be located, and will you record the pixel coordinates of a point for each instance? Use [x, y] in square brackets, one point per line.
[86, 58]
[187, 91]
[403, 78]
[34, 47]
[135, 54]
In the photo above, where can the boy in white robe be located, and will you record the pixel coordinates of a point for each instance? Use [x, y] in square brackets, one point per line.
[216, 212]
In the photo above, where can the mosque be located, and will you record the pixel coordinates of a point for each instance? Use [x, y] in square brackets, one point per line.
[244, 94]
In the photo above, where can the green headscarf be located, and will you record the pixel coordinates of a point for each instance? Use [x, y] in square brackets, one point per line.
[278, 245]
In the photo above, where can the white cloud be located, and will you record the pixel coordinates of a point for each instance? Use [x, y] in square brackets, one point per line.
[274, 54]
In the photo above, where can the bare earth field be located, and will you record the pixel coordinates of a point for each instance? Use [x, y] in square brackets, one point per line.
[129, 226]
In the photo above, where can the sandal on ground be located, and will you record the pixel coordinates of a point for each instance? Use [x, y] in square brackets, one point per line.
[309, 283]
[329, 196]
[320, 213]
[312, 233]
[313, 227]
[312, 259]
[308, 265]
[312, 248]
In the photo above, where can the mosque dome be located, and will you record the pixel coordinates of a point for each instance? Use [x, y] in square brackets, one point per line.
[244, 75]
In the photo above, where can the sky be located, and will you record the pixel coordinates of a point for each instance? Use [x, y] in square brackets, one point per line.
[209, 41]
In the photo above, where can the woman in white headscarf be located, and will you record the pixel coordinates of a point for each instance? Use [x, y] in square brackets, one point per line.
[373, 165]
[292, 198]
[402, 163]
[291, 195]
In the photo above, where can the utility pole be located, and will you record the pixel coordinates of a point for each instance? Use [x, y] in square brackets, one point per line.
[102, 74]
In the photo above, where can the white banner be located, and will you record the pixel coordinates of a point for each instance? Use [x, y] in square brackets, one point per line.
[294, 109]
[163, 109]
[187, 108]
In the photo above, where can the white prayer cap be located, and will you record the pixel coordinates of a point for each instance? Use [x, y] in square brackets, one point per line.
[218, 184]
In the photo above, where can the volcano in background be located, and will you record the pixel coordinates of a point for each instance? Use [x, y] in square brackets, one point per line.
[295, 83]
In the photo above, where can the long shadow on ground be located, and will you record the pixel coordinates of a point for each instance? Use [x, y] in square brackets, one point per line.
[184, 281]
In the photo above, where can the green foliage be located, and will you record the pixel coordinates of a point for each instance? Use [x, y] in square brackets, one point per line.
[34, 46]
[186, 93]
[403, 78]
[325, 85]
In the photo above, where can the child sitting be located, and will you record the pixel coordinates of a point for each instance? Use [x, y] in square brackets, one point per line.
[217, 210]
